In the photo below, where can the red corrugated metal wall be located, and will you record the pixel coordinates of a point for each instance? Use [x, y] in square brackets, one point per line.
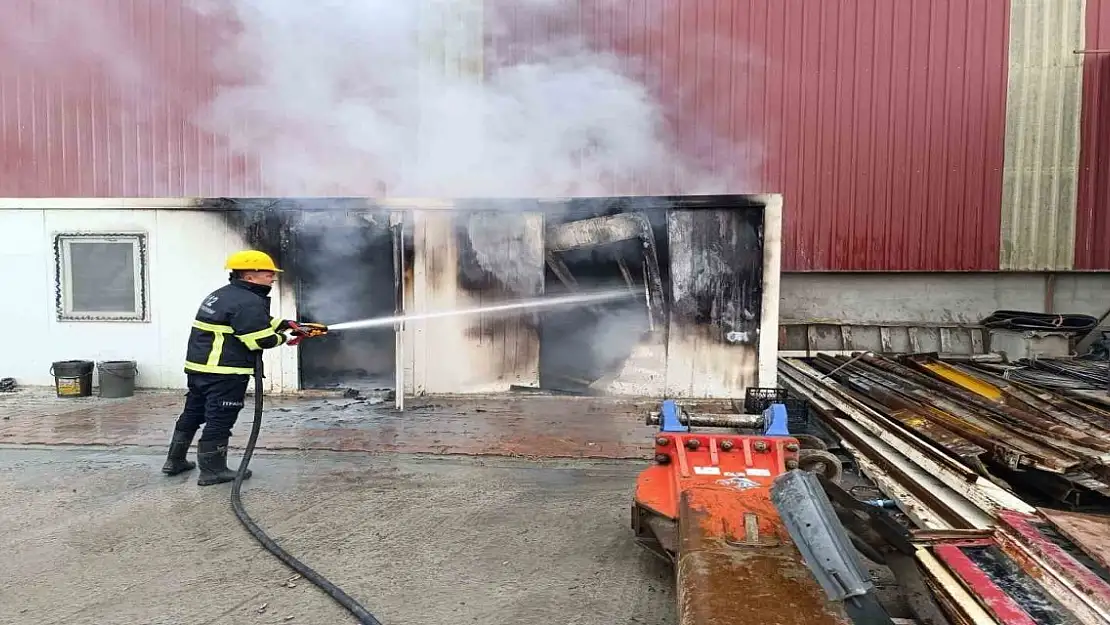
[1092, 225]
[881, 121]
[96, 99]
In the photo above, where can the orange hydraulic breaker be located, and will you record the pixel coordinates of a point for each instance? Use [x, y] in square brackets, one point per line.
[706, 506]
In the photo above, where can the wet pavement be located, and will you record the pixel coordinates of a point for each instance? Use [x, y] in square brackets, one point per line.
[508, 425]
[98, 536]
[507, 509]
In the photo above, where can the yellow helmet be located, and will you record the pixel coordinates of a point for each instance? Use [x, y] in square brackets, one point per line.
[250, 260]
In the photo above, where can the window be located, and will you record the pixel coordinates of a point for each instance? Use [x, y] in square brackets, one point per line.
[101, 277]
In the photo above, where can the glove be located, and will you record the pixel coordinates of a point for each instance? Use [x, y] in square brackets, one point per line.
[303, 331]
[284, 325]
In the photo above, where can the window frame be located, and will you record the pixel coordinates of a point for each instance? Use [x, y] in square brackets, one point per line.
[63, 282]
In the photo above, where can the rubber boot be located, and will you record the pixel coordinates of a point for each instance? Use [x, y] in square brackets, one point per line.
[175, 459]
[212, 458]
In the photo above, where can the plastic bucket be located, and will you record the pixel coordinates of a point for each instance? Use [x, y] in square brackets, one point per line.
[72, 378]
[117, 378]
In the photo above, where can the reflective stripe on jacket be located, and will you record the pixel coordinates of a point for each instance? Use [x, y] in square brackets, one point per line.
[232, 326]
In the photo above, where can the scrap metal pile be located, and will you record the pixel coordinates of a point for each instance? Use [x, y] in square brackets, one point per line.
[983, 414]
[1086, 380]
[950, 443]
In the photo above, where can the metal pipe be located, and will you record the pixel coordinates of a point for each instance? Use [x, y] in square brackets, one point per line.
[712, 420]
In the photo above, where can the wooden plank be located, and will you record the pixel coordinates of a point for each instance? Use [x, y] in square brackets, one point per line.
[915, 341]
[952, 594]
[846, 337]
[1071, 582]
[945, 340]
[1089, 532]
[1001, 605]
[559, 268]
[625, 272]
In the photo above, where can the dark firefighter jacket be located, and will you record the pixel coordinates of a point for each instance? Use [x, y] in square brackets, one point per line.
[233, 325]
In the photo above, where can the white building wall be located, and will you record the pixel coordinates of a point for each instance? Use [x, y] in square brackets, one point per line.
[185, 254]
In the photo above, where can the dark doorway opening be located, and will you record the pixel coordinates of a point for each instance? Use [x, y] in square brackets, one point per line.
[345, 272]
[599, 244]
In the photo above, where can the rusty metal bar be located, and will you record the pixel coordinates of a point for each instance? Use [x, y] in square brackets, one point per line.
[989, 397]
[912, 414]
[934, 498]
[1041, 400]
[711, 420]
[921, 513]
[926, 500]
[883, 428]
[984, 429]
[984, 495]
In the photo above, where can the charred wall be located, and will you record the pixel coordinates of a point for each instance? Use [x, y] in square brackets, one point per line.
[338, 255]
[692, 328]
[718, 278]
[466, 259]
[717, 299]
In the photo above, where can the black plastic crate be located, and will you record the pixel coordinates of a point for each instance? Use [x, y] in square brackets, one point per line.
[797, 415]
[757, 399]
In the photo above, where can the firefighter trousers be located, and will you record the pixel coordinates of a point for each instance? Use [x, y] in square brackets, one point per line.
[214, 401]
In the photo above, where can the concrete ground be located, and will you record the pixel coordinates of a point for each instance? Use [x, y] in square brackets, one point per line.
[499, 509]
[504, 425]
[97, 535]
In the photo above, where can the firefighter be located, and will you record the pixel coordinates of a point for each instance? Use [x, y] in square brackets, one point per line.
[232, 327]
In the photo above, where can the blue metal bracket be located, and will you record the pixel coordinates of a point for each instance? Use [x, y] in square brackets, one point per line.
[668, 417]
[774, 421]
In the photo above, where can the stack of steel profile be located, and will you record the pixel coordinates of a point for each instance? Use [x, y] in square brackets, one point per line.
[938, 438]
[1083, 380]
[987, 418]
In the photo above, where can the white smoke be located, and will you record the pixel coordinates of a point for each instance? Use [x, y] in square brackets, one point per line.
[57, 55]
[400, 97]
[418, 98]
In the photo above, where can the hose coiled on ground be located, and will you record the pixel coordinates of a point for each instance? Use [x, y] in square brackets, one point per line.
[362, 614]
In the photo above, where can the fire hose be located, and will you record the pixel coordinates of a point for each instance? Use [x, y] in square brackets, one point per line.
[302, 331]
[355, 608]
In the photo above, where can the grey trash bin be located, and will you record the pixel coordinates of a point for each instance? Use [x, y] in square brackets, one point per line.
[117, 378]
